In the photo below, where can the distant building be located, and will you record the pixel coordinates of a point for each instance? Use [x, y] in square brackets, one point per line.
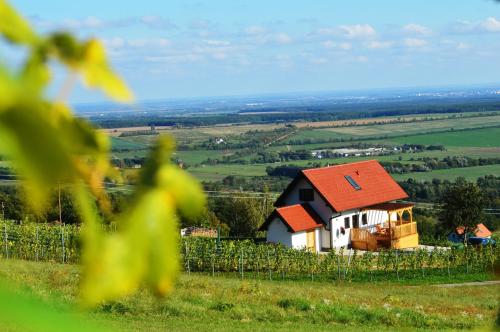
[198, 231]
[351, 205]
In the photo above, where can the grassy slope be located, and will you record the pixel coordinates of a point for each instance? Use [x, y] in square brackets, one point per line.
[208, 303]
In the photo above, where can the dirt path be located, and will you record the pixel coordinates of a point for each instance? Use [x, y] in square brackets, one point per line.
[475, 283]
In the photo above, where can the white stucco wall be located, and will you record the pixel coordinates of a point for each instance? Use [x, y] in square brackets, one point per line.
[339, 239]
[318, 204]
[318, 239]
[299, 240]
[326, 238]
[277, 232]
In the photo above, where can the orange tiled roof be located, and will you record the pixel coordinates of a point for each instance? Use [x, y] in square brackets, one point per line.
[299, 217]
[481, 231]
[376, 185]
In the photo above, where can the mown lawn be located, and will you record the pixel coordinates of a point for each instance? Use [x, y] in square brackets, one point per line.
[205, 303]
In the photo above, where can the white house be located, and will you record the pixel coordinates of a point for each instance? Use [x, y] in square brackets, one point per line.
[350, 205]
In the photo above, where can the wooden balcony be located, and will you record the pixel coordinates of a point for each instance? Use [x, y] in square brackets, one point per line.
[395, 236]
[396, 232]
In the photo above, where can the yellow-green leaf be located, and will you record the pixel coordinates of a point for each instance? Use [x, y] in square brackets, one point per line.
[97, 73]
[13, 27]
[145, 247]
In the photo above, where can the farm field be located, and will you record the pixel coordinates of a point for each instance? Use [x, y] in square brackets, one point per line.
[204, 303]
[465, 140]
[488, 137]
[397, 129]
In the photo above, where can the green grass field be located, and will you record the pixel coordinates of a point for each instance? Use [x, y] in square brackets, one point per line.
[207, 303]
[488, 137]
[397, 129]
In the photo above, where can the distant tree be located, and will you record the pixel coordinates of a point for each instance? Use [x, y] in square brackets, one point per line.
[463, 206]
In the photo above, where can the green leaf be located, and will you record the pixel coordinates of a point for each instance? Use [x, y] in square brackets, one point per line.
[145, 247]
[48, 146]
[97, 73]
[13, 27]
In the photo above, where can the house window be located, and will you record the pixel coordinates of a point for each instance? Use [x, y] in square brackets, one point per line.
[347, 222]
[364, 218]
[355, 221]
[306, 195]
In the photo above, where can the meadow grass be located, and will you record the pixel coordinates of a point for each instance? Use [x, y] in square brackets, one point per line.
[203, 303]
[487, 137]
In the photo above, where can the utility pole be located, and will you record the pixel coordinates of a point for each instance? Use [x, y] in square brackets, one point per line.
[60, 211]
[3, 211]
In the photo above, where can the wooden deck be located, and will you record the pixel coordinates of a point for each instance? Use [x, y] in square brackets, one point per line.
[399, 236]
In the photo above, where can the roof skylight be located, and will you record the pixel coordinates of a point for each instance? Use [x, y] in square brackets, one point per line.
[352, 182]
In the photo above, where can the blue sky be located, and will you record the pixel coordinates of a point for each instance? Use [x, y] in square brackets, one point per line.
[171, 49]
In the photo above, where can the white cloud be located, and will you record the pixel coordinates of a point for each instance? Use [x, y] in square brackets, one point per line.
[342, 46]
[318, 61]
[219, 56]
[489, 25]
[358, 31]
[87, 23]
[157, 22]
[283, 38]
[415, 42]
[215, 42]
[362, 58]
[119, 42]
[417, 29]
[376, 44]
[255, 30]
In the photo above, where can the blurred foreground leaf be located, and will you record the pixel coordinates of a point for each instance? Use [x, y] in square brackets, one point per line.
[49, 146]
[13, 27]
[145, 247]
[26, 313]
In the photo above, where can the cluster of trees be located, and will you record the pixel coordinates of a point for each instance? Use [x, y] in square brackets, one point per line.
[430, 164]
[13, 200]
[128, 162]
[240, 215]
[457, 162]
[329, 112]
[421, 147]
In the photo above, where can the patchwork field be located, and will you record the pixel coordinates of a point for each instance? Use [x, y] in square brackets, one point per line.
[397, 129]
[460, 135]
[229, 304]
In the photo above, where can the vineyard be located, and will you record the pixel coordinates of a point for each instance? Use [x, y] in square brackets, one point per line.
[245, 259]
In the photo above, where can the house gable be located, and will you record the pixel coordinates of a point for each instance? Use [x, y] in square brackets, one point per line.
[297, 218]
[349, 186]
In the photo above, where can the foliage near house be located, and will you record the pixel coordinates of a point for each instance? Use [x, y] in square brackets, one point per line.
[463, 206]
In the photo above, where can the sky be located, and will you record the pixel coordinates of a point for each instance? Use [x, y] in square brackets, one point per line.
[176, 49]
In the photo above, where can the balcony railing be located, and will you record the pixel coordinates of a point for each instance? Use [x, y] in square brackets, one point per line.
[403, 230]
[384, 236]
